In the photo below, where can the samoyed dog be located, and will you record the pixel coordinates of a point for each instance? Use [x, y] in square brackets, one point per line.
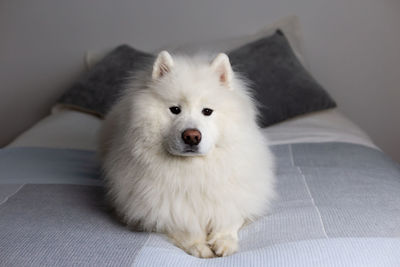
[183, 155]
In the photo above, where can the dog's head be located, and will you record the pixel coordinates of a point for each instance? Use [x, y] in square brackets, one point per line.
[190, 103]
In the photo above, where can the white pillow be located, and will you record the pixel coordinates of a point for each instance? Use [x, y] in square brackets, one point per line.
[290, 26]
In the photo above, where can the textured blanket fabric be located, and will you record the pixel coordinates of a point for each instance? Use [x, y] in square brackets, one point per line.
[339, 205]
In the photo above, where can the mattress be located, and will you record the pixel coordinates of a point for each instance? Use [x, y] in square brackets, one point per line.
[338, 205]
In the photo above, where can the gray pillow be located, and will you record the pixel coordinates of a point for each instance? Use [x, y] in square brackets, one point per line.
[97, 90]
[282, 86]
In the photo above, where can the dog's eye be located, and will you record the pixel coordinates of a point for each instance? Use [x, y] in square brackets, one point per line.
[207, 111]
[175, 110]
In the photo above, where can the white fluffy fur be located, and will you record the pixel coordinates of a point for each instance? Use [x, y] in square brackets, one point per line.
[199, 199]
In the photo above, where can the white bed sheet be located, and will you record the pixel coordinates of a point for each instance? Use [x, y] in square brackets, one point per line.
[71, 129]
[323, 126]
[63, 128]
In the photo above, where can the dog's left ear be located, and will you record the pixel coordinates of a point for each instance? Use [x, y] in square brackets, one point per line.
[162, 65]
[222, 66]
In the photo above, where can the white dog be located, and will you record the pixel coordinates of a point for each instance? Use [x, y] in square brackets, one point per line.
[183, 155]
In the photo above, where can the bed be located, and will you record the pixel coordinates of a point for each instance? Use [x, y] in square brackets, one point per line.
[338, 205]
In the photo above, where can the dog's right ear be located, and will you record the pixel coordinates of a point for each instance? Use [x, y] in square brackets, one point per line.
[223, 68]
[162, 65]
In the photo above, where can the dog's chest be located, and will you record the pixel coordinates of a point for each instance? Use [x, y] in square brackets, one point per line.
[209, 194]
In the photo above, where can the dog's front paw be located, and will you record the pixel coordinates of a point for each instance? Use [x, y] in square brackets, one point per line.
[193, 244]
[200, 250]
[224, 245]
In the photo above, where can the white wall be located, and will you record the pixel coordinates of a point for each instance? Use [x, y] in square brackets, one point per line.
[353, 47]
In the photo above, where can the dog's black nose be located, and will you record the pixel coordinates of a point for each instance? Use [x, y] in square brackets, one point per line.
[191, 137]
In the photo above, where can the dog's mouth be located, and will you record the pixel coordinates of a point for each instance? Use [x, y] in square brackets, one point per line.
[184, 150]
[190, 151]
